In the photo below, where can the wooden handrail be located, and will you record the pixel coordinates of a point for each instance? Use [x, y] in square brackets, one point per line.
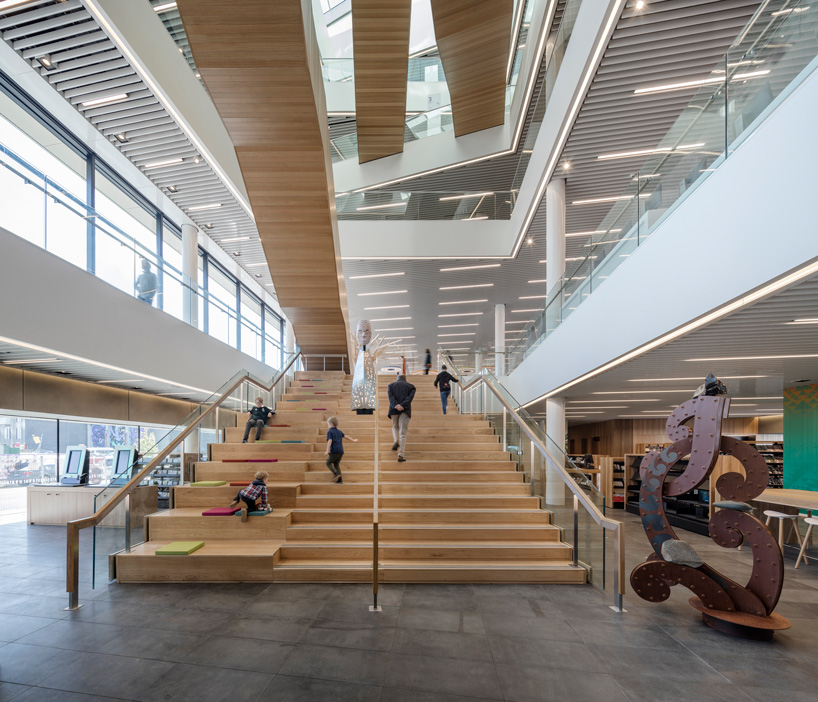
[76, 525]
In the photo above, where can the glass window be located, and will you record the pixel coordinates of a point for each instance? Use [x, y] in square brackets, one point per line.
[126, 215]
[101, 441]
[221, 308]
[173, 300]
[273, 342]
[251, 325]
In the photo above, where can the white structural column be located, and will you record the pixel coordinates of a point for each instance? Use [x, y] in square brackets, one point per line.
[555, 488]
[499, 340]
[190, 273]
[554, 246]
[289, 338]
[478, 361]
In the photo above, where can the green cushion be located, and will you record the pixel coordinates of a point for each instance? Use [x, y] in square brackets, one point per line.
[209, 483]
[179, 548]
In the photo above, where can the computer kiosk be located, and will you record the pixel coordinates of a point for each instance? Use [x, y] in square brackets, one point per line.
[77, 466]
[125, 458]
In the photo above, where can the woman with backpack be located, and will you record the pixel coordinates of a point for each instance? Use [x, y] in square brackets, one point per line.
[445, 379]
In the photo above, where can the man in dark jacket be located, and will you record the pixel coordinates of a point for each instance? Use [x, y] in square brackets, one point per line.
[401, 394]
[444, 380]
[258, 418]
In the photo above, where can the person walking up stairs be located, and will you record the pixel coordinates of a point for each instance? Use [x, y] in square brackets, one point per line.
[400, 394]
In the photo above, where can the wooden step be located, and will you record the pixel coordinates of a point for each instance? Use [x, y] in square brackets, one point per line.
[441, 476]
[344, 532]
[389, 515]
[219, 561]
[517, 551]
[279, 494]
[458, 488]
[187, 523]
[292, 452]
[283, 471]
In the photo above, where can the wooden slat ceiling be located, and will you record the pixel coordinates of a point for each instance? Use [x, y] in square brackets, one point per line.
[473, 38]
[254, 59]
[380, 37]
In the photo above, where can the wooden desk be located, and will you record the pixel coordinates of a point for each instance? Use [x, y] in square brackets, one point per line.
[796, 500]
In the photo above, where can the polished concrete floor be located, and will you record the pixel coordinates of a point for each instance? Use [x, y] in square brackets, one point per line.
[431, 643]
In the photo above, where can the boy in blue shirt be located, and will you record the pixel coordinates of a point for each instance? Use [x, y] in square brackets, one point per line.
[335, 448]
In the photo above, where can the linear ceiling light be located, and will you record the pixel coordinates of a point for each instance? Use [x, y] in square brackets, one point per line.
[388, 307]
[532, 297]
[234, 239]
[159, 164]
[644, 152]
[754, 358]
[8, 4]
[462, 314]
[457, 334]
[721, 377]
[595, 200]
[380, 207]
[164, 7]
[696, 83]
[461, 302]
[33, 360]
[119, 97]
[211, 206]
[596, 402]
[810, 320]
[399, 338]
[539, 309]
[384, 292]
[375, 275]
[541, 280]
[390, 319]
[758, 398]
[124, 380]
[465, 287]
[522, 321]
[463, 197]
[394, 329]
[473, 219]
[470, 268]
[450, 326]
[255, 265]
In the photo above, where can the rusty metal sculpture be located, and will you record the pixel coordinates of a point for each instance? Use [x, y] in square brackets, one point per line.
[725, 605]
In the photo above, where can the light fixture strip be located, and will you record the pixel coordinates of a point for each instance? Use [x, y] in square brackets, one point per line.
[383, 292]
[375, 275]
[470, 268]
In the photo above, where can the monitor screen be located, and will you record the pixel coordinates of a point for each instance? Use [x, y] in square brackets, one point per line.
[73, 464]
[123, 460]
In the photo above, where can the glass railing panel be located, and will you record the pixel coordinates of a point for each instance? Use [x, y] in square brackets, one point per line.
[423, 205]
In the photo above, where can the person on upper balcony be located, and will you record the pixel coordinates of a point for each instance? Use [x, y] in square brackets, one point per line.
[146, 283]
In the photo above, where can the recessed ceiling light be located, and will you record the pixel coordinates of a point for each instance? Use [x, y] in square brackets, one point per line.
[754, 358]
[211, 206]
[529, 241]
[209, 225]
[471, 268]
[167, 162]
[462, 302]
[381, 207]
[33, 360]
[809, 320]
[389, 307]
[394, 329]
[390, 319]
[164, 7]
[721, 377]
[695, 83]
[463, 197]
[399, 337]
[237, 253]
[119, 97]
[465, 287]
[121, 138]
[255, 265]
[234, 239]
[173, 189]
[462, 314]
[542, 280]
[374, 275]
[385, 292]
[566, 166]
[449, 326]
[457, 334]
[197, 159]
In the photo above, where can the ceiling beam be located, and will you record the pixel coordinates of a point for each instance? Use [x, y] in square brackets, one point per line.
[259, 61]
[473, 39]
[380, 40]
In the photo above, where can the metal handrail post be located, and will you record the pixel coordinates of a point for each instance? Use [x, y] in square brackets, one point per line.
[505, 437]
[576, 531]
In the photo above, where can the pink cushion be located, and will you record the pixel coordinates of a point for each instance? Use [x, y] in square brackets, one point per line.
[220, 512]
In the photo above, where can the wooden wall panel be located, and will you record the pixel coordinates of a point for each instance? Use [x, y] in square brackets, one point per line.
[156, 410]
[380, 38]
[11, 388]
[258, 66]
[473, 39]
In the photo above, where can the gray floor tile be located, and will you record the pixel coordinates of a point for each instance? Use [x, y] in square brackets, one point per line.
[533, 628]
[522, 684]
[346, 664]
[16, 626]
[240, 654]
[30, 665]
[533, 653]
[771, 673]
[190, 621]
[220, 601]
[154, 595]
[8, 691]
[443, 644]
[456, 602]
[651, 689]
[79, 636]
[268, 629]
[41, 694]
[624, 633]
[366, 635]
[298, 591]
[150, 643]
[768, 695]
[440, 620]
[108, 676]
[394, 694]
[285, 688]
[359, 612]
[446, 675]
[656, 663]
[193, 683]
[287, 608]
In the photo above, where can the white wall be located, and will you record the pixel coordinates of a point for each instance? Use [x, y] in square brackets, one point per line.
[54, 304]
[750, 222]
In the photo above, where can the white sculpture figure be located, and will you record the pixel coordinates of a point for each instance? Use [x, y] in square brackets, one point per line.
[364, 378]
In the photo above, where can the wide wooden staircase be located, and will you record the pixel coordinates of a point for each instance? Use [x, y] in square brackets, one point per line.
[456, 511]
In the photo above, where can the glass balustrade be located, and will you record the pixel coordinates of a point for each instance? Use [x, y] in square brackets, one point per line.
[415, 205]
[39, 210]
[772, 56]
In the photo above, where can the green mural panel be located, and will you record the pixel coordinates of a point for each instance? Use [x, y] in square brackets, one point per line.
[801, 437]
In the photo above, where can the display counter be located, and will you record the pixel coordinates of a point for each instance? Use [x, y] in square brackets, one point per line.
[58, 504]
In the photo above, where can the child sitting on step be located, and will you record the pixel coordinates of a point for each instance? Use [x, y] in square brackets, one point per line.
[335, 448]
[257, 490]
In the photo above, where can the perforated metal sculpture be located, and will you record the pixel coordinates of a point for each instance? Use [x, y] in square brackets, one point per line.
[364, 378]
[725, 605]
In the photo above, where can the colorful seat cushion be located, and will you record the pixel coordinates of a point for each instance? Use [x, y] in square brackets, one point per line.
[240, 483]
[220, 511]
[209, 483]
[179, 548]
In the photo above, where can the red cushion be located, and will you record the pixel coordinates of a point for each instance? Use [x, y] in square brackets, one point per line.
[240, 483]
[220, 512]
